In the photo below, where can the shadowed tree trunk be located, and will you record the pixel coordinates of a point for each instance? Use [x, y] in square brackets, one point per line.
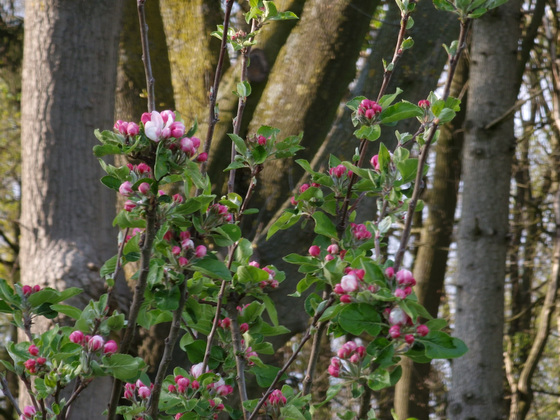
[477, 384]
[412, 392]
[69, 69]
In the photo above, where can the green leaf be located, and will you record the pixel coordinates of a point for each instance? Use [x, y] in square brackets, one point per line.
[407, 43]
[353, 104]
[67, 310]
[400, 111]
[270, 309]
[387, 100]
[285, 221]
[324, 225]
[212, 267]
[446, 115]
[250, 274]
[370, 133]
[243, 89]
[123, 366]
[125, 220]
[189, 207]
[109, 267]
[49, 295]
[240, 145]
[444, 5]
[408, 170]
[440, 345]
[100, 150]
[359, 317]
[161, 168]
[265, 375]
[382, 378]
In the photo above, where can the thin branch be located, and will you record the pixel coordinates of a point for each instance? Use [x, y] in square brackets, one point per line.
[213, 118]
[7, 393]
[150, 81]
[293, 357]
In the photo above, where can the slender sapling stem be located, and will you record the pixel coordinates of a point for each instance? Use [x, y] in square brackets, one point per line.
[150, 81]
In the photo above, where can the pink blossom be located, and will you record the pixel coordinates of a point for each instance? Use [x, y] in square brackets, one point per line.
[110, 347]
[223, 390]
[360, 273]
[36, 288]
[277, 398]
[375, 162]
[349, 283]
[422, 330]
[26, 290]
[254, 264]
[143, 168]
[126, 188]
[187, 243]
[243, 328]
[195, 385]
[405, 278]
[183, 261]
[329, 257]
[424, 103]
[225, 323]
[177, 129]
[176, 250]
[200, 251]
[29, 411]
[390, 272]
[144, 392]
[334, 371]
[196, 142]
[129, 205]
[183, 384]
[184, 235]
[397, 316]
[132, 129]
[76, 337]
[158, 127]
[409, 338]
[400, 293]
[337, 171]
[293, 201]
[203, 157]
[332, 249]
[314, 251]
[95, 343]
[168, 235]
[360, 231]
[144, 188]
[408, 290]
[41, 360]
[395, 331]
[369, 108]
[33, 350]
[196, 370]
[338, 289]
[261, 140]
[345, 299]
[303, 188]
[361, 351]
[178, 198]
[30, 365]
[355, 358]
[146, 116]
[171, 388]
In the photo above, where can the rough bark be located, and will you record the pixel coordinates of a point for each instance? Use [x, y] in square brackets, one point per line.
[70, 56]
[412, 392]
[305, 86]
[477, 384]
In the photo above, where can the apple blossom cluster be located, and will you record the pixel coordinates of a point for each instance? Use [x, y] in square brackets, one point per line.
[271, 281]
[35, 364]
[29, 290]
[350, 352]
[403, 281]
[186, 248]
[137, 392]
[369, 109]
[352, 283]
[94, 343]
[403, 327]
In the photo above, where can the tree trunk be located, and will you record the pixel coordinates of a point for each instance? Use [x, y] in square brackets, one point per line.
[70, 56]
[477, 380]
[412, 392]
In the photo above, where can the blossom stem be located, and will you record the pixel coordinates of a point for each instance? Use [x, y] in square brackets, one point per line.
[150, 81]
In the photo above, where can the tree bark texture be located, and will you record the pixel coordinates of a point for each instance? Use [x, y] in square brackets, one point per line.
[477, 380]
[309, 78]
[69, 65]
[412, 392]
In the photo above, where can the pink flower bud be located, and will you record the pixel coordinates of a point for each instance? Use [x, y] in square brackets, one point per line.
[200, 251]
[338, 289]
[345, 299]
[144, 392]
[196, 370]
[225, 323]
[349, 283]
[203, 157]
[28, 412]
[126, 188]
[303, 188]
[95, 343]
[422, 330]
[261, 140]
[41, 360]
[355, 358]
[178, 198]
[183, 261]
[390, 272]
[361, 351]
[26, 290]
[400, 293]
[332, 249]
[314, 251]
[176, 250]
[110, 347]
[76, 337]
[144, 188]
[143, 168]
[33, 350]
[132, 129]
[146, 116]
[187, 243]
[375, 162]
[424, 103]
[30, 365]
[171, 388]
[405, 278]
[293, 201]
[397, 316]
[409, 338]
[177, 129]
[195, 385]
[395, 331]
[334, 371]
[243, 328]
[338, 171]
[329, 257]
[196, 142]
[129, 205]
[223, 390]
[277, 398]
